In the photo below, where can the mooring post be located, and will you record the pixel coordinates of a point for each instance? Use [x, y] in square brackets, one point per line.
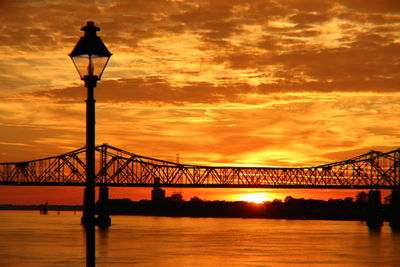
[103, 219]
[394, 210]
[374, 210]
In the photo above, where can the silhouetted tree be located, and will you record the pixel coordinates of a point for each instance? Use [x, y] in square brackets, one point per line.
[348, 200]
[362, 197]
[288, 198]
[195, 199]
[176, 197]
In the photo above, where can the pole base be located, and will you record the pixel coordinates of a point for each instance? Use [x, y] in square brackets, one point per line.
[84, 220]
[103, 221]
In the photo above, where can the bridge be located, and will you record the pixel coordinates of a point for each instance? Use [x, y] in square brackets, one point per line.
[116, 167]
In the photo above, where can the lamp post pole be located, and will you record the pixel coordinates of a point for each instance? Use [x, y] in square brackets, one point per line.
[89, 199]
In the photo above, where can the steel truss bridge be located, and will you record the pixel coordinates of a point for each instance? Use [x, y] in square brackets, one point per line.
[116, 167]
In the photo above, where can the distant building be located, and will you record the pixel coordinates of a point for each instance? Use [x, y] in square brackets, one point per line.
[157, 194]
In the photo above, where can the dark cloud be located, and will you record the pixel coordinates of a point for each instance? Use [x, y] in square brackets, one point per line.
[42, 25]
[369, 64]
[309, 18]
[153, 89]
[385, 6]
[214, 20]
[308, 5]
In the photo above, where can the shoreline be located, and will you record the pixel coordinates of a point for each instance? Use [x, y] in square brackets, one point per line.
[290, 209]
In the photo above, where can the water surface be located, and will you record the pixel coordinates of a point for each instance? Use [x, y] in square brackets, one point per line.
[30, 239]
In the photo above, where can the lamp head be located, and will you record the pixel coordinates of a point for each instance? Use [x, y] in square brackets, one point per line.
[90, 56]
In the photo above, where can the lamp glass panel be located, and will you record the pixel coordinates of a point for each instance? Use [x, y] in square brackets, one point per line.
[90, 65]
[98, 65]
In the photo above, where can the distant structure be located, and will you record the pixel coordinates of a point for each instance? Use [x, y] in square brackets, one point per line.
[44, 208]
[374, 210]
[157, 194]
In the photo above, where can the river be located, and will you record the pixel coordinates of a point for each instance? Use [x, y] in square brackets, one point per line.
[30, 239]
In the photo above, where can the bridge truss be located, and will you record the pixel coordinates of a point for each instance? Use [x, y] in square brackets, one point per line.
[116, 167]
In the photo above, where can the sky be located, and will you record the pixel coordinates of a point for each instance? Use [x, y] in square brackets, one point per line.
[263, 82]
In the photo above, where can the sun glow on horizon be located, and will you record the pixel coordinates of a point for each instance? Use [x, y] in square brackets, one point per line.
[255, 197]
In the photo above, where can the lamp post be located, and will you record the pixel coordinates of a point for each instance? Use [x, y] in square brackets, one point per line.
[90, 57]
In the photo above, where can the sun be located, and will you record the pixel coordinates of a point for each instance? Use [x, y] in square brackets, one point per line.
[255, 197]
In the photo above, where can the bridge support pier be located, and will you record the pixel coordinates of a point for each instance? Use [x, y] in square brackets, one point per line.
[394, 211]
[374, 211]
[103, 220]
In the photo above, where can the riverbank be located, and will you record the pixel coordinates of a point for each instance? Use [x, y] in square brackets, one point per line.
[41, 207]
[289, 209]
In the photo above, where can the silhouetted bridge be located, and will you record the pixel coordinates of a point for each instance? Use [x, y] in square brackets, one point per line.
[116, 167]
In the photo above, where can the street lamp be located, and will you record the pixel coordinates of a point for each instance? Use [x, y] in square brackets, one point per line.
[90, 57]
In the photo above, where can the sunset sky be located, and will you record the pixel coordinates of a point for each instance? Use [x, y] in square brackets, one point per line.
[284, 83]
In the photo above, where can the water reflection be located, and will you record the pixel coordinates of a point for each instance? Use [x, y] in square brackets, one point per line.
[374, 231]
[102, 241]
